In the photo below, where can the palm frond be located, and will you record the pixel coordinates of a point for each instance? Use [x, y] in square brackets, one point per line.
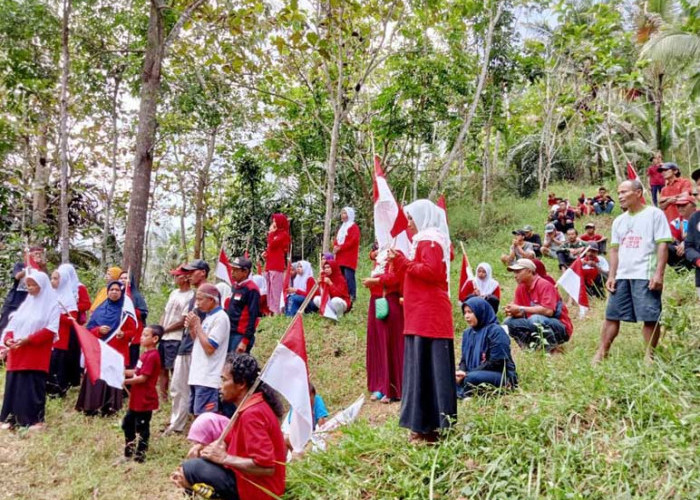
[677, 45]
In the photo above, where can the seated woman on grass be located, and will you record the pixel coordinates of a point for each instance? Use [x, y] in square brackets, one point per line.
[483, 285]
[486, 358]
[333, 283]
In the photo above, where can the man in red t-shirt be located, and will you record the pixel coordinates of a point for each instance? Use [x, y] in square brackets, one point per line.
[144, 395]
[674, 188]
[656, 177]
[590, 235]
[537, 316]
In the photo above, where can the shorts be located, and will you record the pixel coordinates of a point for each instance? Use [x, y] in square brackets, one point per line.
[203, 399]
[168, 352]
[633, 301]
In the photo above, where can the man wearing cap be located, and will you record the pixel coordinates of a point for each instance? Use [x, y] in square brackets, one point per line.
[590, 235]
[198, 271]
[173, 323]
[244, 307]
[595, 270]
[691, 246]
[638, 254]
[686, 206]
[570, 250]
[519, 249]
[36, 259]
[675, 186]
[553, 240]
[537, 307]
[603, 202]
[211, 337]
[534, 238]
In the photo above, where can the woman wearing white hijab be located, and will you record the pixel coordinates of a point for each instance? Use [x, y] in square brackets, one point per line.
[28, 336]
[483, 285]
[65, 281]
[301, 286]
[346, 248]
[429, 398]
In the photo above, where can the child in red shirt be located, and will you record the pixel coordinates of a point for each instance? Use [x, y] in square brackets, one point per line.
[144, 395]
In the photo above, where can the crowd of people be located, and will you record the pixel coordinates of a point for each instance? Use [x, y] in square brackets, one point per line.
[198, 354]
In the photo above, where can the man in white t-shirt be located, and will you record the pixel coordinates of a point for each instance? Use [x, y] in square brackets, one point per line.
[173, 321]
[209, 350]
[638, 254]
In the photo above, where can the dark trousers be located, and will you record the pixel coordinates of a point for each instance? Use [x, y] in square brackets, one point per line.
[210, 480]
[137, 431]
[655, 192]
[565, 259]
[535, 330]
[476, 378]
[349, 275]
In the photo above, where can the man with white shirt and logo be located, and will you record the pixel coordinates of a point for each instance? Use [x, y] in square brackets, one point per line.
[638, 255]
[209, 351]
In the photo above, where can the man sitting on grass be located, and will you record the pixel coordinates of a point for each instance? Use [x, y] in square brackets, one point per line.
[570, 250]
[537, 316]
[519, 249]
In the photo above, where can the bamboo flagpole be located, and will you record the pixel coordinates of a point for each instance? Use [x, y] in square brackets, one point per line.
[256, 384]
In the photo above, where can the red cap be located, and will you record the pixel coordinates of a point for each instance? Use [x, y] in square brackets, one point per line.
[179, 271]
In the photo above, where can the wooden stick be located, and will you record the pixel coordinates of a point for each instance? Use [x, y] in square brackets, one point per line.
[461, 244]
[258, 380]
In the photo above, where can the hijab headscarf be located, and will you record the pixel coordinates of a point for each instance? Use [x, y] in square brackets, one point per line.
[137, 298]
[488, 285]
[300, 279]
[542, 271]
[431, 224]
[474, 339]
[338, 280]
[113, 273]
[37, 311]
[67, 290]
[345, 226]
[281, 221]
[109, 313]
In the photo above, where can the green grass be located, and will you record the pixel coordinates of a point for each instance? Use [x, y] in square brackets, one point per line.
[621, 430]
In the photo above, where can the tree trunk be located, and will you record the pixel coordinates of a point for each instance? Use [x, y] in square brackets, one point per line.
[146, 132]
[486, 167]
[145, 139]
[113, 182]
[63, 134]
[40, 177]
[200, 206]
[459, 141]
[330, 179]
[658, 104]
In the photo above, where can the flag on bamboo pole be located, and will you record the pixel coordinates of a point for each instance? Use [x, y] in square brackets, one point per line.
[287, 372]
[390, 222]
[632, 175]
[465, 276]
[102, 361]
[573, 282]
[223, 268]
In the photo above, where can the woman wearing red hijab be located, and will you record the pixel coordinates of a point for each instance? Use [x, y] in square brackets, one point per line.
[275, 256]
[332, 281]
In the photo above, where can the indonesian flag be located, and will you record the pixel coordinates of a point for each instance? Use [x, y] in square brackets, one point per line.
[574, 283]
[285, 284]
[465, 275]
[286, 372]
[223, 268]
[390, 222]
[632, 175]
[102, 362]
[326, 310]
[29, 261]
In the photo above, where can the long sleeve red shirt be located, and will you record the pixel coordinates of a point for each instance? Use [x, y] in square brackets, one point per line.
[348, 252]
[64, 327]
[34, 355]
[276, 252]
[120, 344]
[427, 308]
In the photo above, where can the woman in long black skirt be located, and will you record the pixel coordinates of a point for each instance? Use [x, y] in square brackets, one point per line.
[29, 336]
[429, 398]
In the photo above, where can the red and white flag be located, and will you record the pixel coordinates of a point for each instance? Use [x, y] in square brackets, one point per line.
[574, 283]
[390, 222]
[223, 268]
[465, 275]
[128, 311]
[287, 372]
[102, 362]
[326, 309]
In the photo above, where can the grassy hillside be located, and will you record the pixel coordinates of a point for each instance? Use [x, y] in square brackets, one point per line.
[623, 429]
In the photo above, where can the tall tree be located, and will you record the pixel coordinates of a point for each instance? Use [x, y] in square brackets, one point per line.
[63, 131]
[156, 51]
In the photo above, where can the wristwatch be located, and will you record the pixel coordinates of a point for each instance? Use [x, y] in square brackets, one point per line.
[522, 311]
